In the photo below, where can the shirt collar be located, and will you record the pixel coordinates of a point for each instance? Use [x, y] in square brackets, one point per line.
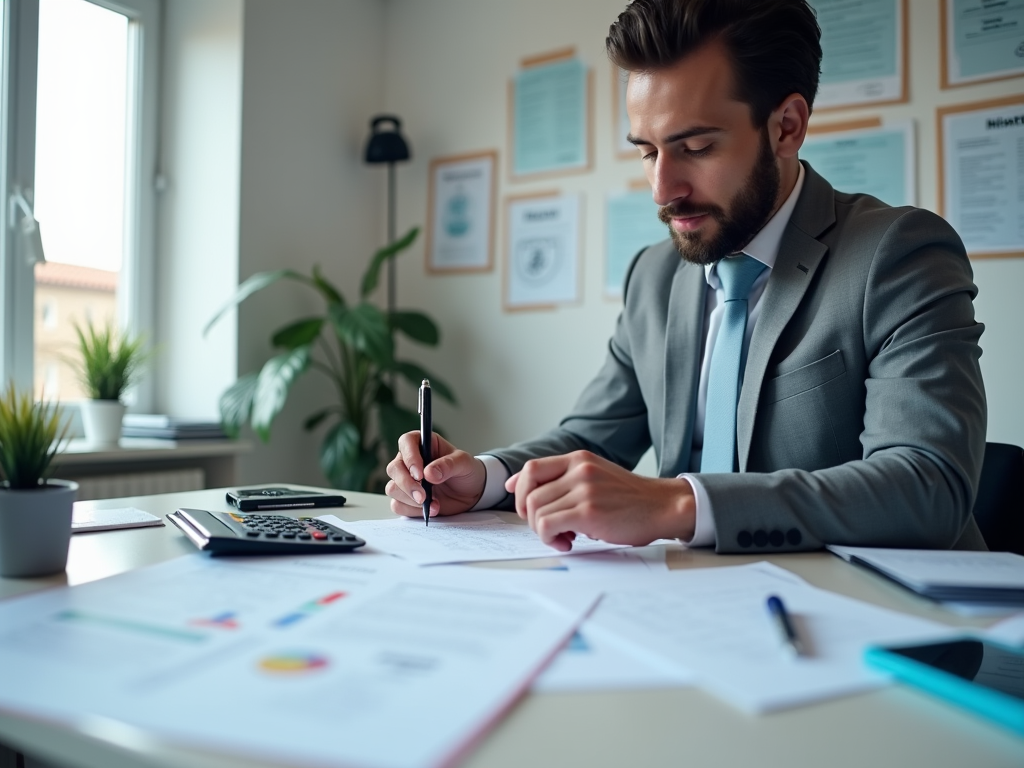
[765, 245]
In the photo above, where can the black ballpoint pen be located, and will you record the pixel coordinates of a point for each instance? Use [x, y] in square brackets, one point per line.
[426, 441]
[787, 631]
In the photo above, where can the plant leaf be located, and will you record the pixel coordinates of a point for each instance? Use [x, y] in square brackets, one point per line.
[343, 459]
[109, 361]
[415, 374]
[273, 385]
[395, 421]
[312, 422]
[236, 403]
[329, 292]
[365, 328]
[416, 326]
[298, 334]
[257, 282]
[31, 435]
[372, 276]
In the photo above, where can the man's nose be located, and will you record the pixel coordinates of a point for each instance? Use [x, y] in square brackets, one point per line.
[668, 183]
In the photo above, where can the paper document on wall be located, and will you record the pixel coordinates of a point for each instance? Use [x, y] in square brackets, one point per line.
[302, 661]
[460, 539]
[713, 623]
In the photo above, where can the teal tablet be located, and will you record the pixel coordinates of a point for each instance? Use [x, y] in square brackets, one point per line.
[980, 675]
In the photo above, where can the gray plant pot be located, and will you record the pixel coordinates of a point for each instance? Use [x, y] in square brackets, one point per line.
[35, 529]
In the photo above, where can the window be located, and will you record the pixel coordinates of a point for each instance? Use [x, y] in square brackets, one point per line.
[49, 312]
[79, 80]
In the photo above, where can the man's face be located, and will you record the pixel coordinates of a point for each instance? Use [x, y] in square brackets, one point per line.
[713, 174]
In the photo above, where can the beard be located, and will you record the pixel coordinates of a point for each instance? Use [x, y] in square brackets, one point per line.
[747, 213]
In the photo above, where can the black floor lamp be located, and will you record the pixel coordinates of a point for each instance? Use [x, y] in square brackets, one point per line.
[386, 145]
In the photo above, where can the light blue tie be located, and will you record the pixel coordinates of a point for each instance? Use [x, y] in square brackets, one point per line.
[737, 274]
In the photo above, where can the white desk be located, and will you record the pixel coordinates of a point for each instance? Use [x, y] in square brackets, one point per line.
[890, 727]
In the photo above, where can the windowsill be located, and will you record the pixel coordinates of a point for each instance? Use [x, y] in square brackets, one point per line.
[147, 449]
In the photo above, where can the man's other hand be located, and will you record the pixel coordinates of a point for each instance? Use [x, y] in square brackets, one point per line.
[457, 477]
[579, 492]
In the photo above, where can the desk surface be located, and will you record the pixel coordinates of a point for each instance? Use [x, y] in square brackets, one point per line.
[890, 727]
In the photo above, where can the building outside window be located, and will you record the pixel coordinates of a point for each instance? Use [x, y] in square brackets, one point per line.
[79, 79]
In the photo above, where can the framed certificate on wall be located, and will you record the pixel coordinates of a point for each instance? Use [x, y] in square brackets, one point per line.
[460, 219]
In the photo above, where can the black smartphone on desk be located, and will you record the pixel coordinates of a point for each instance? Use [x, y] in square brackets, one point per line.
[257, 499]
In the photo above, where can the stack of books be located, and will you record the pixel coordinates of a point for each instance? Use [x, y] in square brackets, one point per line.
[163, 427]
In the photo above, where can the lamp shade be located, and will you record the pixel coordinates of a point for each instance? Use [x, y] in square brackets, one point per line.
[386, 144]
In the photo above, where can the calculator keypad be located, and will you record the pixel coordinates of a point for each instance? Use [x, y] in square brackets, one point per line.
[306, 529]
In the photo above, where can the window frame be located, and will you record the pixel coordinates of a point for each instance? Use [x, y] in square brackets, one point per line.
[136, 286]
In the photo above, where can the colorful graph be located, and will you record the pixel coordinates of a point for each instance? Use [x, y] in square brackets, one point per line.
[293, 663]
[226, 620]
[307, 609]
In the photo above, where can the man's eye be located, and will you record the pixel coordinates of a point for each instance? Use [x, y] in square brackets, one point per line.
[705, 150]
[649, 156]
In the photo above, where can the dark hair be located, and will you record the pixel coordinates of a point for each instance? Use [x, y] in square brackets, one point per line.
[774, 44]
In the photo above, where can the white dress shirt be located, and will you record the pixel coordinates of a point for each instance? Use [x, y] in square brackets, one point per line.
[765, 248]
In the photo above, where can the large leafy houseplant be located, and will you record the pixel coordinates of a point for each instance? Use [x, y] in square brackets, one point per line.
[353, 345]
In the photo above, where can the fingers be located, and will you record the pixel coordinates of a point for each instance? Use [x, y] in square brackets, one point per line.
[536, 472]
[447, 467]
[414, 510]
[402, 486]
[558, 529]
[409, 453]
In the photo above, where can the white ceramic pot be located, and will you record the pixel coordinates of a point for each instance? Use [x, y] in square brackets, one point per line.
[102, 421]
[35, 529]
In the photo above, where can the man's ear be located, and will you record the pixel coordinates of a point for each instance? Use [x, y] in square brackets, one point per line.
[787, 126]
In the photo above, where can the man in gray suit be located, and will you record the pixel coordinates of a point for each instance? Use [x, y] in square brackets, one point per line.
[804, 361]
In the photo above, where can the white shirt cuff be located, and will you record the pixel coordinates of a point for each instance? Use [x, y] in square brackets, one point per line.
[494, 483]
[704, 526]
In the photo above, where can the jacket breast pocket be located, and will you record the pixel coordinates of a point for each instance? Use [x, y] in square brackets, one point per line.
[802, 379]
[794, 427]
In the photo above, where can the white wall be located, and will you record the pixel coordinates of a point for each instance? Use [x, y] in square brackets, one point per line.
[449, 62]
[313, 76]
[264, 124]
[197, 223]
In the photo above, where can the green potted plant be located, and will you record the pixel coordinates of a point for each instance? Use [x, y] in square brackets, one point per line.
[109, 363]
[353, 345]
[35, 511]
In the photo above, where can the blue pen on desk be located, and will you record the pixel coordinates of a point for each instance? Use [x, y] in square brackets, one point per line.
[780, 616]
[426, 441]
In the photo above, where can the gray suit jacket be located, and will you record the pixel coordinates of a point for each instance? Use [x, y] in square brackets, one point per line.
[862, 413]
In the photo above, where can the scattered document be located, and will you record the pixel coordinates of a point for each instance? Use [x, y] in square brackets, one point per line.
[613, 563]
[111, 519]
[460, 539]
[287, 660]
[983, 577]
[595, 661]
[1009, 631]
[712, 623]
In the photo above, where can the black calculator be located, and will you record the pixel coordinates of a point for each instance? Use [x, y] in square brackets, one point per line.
[238, 533]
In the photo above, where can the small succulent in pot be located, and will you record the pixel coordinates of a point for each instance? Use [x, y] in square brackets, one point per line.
[35, 511]
[110, 362]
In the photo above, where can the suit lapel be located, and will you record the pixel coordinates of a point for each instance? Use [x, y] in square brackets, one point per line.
[683, 344]
[800, 254]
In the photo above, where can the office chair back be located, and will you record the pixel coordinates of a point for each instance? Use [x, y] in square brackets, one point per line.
[999, 508]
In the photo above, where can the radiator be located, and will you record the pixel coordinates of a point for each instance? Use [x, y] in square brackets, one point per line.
[139, 484]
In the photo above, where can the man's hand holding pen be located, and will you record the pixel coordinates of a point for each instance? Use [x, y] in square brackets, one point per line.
[559, 496]
[456, 476]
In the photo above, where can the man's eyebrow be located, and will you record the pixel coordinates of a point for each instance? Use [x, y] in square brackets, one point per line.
[689, 133]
